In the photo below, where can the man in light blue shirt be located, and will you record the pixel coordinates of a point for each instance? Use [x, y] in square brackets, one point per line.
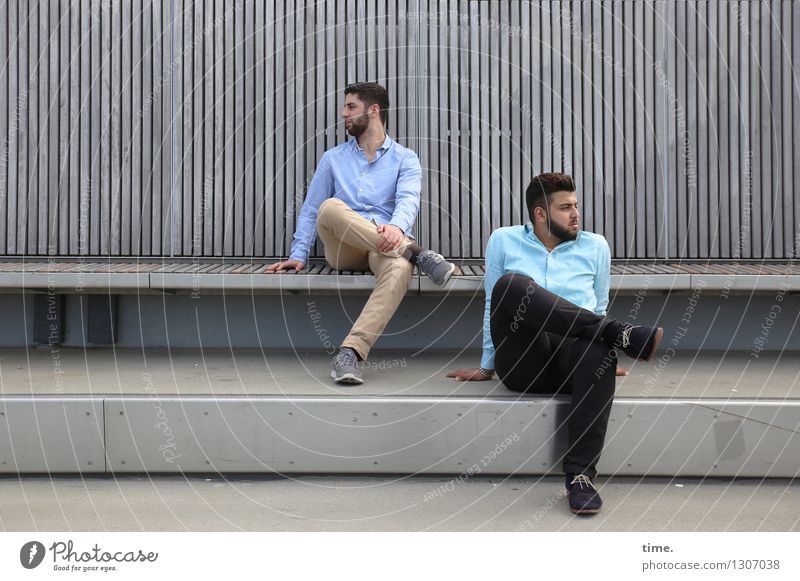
[363, 201]
[545, 327]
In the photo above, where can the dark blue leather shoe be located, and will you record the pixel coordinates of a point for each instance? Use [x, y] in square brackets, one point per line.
[583, 496]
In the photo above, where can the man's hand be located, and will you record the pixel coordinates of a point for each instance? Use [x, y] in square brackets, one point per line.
[473, 374]
[286, 265]
[391, 237]
[622, 371]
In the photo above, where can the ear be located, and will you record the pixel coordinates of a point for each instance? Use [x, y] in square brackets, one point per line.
[539, 214]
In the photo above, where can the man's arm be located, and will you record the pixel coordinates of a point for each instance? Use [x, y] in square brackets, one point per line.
[409, 188]
[602, 280]
[319, 190]
[494, 270]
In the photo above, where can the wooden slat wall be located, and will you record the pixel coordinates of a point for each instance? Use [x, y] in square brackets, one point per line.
[192, 127]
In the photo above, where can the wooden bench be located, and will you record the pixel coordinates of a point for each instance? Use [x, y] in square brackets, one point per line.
[94, 275]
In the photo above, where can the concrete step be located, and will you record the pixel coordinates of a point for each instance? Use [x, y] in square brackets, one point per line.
[73, 410]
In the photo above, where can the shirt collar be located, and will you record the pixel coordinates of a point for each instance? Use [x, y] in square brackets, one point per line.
[529, 231]
[387, 142]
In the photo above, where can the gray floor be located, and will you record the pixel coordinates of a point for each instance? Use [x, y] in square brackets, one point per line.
[321, 503]
[97, 371]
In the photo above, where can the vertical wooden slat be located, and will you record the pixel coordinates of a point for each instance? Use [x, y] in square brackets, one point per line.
[526, 84]
[501, 17]
[547, 86]
[666, 165]
[7, 109]
[125, 197]
[746, 143]
[619, 198]
[479, 217]
[187, 129]
[495, 105]
[232, 177]
[66, 166]
[567, 94]
[609, 185]
[146, 136]
[271, 248]
[723, 247]
[96, 88]
[760, 144]
[135, 120]
[770, 119]
[466, 191]
[629, 120]
[212, 124]
[29, 22]
[220, 133]
[733, 154]
[452, 210]
[198, 113]
[168, 165]
[248, 129]
[557, 89]
[279, 153]
[687, 137]
[258, 155]
[50, 106]
[79, 140]
[642, 127]
[700, 157]
[784, 35]
[573, 22]
[111, 215]
[13, 104]
[178, 112]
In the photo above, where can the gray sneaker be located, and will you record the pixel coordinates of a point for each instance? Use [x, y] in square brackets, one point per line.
[435, 266]
[345, 367]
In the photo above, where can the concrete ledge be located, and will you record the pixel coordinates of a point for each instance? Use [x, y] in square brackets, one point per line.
[406, 435]
[52, 435]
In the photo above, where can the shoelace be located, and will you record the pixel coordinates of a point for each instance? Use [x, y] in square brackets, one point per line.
[347, 357]
[582, 480]
[626, 336]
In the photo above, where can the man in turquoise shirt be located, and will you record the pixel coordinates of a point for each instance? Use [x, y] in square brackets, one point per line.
[363, 202]
[545, 327]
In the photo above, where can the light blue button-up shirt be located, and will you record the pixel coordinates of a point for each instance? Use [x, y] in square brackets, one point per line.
[578, 270]
[386, 189]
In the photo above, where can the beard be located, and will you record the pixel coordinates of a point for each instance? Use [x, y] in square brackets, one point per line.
[560, 232]
[358, 125]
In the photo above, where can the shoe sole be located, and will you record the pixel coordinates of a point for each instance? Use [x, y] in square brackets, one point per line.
[656, 341]
[447, 275]
[347, 379]
[584, 510]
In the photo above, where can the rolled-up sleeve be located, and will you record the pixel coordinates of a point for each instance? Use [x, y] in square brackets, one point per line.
[409, 189]
[320, 189]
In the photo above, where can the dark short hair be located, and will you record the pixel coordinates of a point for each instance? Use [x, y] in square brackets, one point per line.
[371, 94]
[545, 185]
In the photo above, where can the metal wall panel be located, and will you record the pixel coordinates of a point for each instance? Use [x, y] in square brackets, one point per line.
[423, 435]
[52, 434]
[192, 128]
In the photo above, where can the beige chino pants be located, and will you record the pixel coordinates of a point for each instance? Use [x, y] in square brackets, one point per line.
[351, 243]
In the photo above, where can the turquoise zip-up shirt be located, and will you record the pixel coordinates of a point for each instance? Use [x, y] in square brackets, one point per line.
[386, 189]
[578, 270]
